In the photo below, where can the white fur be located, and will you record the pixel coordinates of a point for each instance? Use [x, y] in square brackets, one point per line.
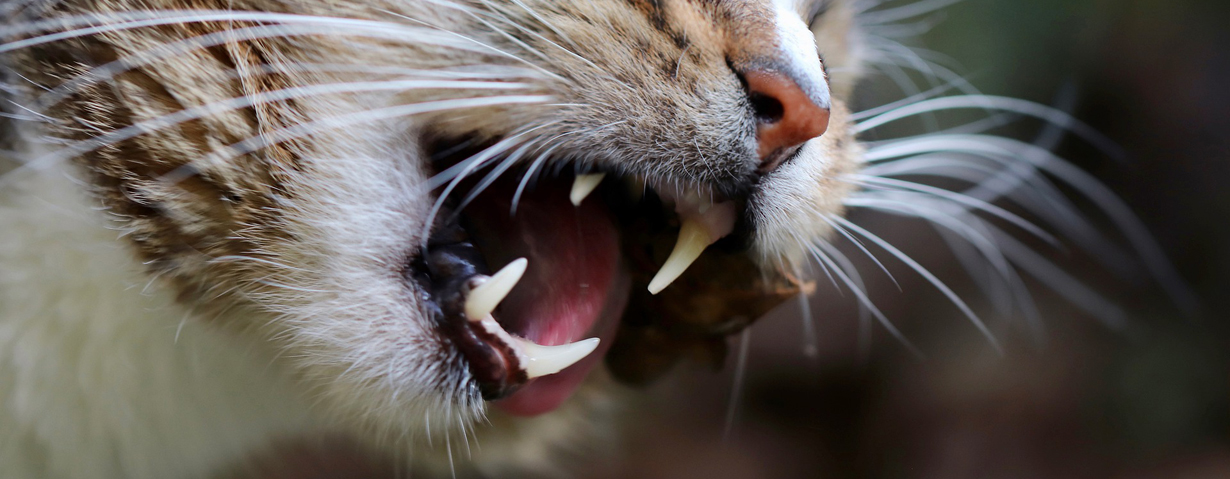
[799, 51]
[101, 373]
[104, 375]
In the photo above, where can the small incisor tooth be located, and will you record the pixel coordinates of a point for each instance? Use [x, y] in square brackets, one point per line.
[483, 299]
[538, 360]
[583, 186]
[693, 239]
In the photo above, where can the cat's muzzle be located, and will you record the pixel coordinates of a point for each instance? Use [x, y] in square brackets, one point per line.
[654, 274]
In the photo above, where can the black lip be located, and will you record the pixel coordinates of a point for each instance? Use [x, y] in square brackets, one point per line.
[444, 272]
[492, 363]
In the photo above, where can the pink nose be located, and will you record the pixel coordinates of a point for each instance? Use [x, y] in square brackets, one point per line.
[787, 117]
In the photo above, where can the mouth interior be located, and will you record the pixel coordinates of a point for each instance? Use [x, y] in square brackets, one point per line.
[590, 257]
[574, 288]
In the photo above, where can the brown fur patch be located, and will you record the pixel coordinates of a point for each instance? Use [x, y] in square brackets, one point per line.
[181, 208]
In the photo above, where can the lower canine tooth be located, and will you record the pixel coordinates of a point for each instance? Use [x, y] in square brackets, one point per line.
[583, 186]
[483, 299]
[538, 360]
[693, 239]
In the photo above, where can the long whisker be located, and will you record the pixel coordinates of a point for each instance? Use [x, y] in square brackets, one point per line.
[904, 12]
[841, 230]
[1084, 183]
[341, 121]
[811, 338]
[1023, 184]
[154, 18]
[566, 51]
[864, 312]
[110, 70]
[470, 165]
[894, 184]
[931, 93]
[534, 168]
[495, 173]
[272, 96]
[985, 102]
[824, 258]
[506, 34]
[463, 167]
[736, 388]
[971, 229]
[487, 46]
[1060, 282]
[952, 296]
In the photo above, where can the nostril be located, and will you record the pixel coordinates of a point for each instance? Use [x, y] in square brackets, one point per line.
[765, 108]
[786, 115]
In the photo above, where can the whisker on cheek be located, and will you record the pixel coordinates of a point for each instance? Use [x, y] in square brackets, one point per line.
[1024, 162]
[993, 169]
[849, 276]
[931, 278]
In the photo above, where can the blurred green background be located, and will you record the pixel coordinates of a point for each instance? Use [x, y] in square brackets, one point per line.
[1150, 400]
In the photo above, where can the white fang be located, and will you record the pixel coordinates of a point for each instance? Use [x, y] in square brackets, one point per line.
[538, 360]
[703, 224]
[693, 239]
[583, 186]
[483, 299]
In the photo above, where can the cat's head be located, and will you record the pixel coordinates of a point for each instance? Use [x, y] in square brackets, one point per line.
[345, 169]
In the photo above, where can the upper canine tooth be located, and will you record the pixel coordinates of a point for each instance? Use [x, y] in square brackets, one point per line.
[693, 239]
[699, 230]
[483, 299]
[538, 360]
[583, 186]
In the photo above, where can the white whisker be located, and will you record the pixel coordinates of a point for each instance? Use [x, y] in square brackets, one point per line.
[858, 291]
[973, 231]
[341, 121]
[1006, 149]
[841, 230]
[865, 315]
[952, 296]
[467, 166]
[154, 18]
[989, 102]
[1062, 283]
[484, 45]
[110, 70]
[495, 173]
[157, 123]
[909, 10]
[929, 94]
[535, 166]
[811, 338]
[898, 185]
[736, 388]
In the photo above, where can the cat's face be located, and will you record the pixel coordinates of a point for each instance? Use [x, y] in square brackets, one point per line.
[321, 164]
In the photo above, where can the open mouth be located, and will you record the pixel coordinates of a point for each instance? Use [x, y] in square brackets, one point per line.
[586, 265]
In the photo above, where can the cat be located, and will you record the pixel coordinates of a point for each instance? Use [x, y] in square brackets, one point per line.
[415, 224]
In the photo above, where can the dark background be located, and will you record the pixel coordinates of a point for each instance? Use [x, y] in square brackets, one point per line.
[1148, 400]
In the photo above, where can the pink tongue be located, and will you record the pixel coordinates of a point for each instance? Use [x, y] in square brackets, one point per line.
[574, 280]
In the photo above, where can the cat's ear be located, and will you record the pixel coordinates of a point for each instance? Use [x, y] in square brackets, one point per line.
[840, 41]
